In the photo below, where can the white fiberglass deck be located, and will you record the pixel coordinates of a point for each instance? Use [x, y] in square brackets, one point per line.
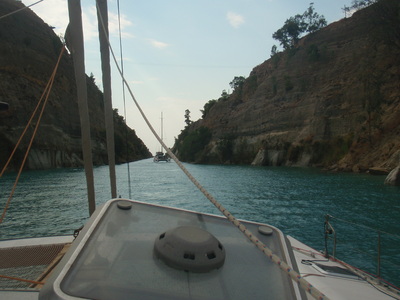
[334, 280]
[113, 258]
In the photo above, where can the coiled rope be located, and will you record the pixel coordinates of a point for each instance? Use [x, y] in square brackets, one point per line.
[45, 95]
[268, 252]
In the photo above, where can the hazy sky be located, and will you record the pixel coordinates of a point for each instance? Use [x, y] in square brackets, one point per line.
[179, 54]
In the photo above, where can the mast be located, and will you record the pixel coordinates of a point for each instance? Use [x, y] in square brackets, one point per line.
[74, 39]
[161, 132]
[102, 17]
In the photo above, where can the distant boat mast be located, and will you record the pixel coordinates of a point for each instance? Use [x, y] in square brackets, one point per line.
[162, 132]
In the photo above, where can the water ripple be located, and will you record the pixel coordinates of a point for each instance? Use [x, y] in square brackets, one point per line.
[292, 199]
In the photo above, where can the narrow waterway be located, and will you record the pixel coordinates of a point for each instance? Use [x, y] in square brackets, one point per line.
[295, 200]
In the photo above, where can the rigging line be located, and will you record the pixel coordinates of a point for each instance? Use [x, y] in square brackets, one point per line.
[18, 10]
[21, 279]
[30, 120]
[365, 226]
[123, 97]
[47, 92]
[304, 284]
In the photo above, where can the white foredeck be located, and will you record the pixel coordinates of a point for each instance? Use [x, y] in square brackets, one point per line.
[113, 258]
[335, 286]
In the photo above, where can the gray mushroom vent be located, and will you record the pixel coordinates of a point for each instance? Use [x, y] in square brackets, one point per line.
[190, 249]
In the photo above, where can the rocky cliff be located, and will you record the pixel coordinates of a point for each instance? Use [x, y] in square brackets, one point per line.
[332, 101]
[28, 53]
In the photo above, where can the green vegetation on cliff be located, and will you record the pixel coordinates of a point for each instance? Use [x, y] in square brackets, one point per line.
[191, 144]
[289, 34]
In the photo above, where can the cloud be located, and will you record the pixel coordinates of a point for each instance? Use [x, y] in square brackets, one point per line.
[90, 27]
[55, 13]
[113, 25]
[135, 82]
[234, 19]
[158, 44]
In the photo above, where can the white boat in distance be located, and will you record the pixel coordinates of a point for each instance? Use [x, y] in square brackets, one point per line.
[134, 250]
[160, 155]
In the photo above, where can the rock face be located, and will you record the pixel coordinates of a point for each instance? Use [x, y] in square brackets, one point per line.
[28, 53]
[333, 101]
[394, 177]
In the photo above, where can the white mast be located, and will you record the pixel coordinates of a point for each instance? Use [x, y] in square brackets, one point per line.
[102, 16]
[74, 39]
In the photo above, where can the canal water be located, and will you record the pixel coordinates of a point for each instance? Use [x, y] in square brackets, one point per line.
[296, 200]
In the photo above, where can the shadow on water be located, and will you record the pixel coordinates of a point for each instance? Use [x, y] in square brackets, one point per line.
[292, 199]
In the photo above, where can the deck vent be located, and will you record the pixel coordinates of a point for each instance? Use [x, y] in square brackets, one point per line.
[190, 249]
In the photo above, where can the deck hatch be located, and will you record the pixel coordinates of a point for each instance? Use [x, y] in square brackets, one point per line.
[114, 258]
[335, 271]
[190, 248]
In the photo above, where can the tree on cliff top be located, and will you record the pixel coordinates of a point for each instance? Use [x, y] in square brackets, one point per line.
[289, 34]
[357, 5]
[237, 82]
[207, 107]
[360, 4]
[187, 118]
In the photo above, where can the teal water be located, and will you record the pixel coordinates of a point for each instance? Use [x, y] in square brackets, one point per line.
[292, 199]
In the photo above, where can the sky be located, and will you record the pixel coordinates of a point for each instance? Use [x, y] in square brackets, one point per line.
[179, 54]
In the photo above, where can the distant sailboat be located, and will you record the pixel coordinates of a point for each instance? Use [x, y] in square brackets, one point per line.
[160, 156]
